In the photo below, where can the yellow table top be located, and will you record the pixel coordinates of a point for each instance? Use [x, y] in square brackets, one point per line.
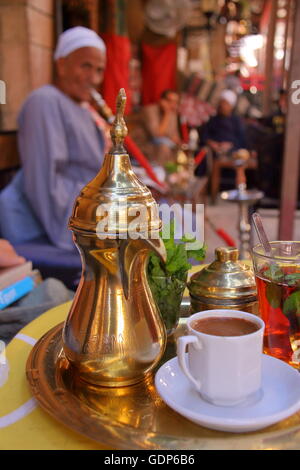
[23, 424]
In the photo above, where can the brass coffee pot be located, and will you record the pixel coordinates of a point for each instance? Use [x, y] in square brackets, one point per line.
[114, 334]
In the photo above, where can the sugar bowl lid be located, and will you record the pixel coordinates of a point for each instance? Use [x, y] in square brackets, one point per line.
[226, 278]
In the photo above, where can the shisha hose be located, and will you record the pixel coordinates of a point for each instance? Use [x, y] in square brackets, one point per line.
[221, 233]
[105, 110]
[132, 148]
[200, 156]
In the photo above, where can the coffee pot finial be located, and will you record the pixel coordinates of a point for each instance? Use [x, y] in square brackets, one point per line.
[119, 129]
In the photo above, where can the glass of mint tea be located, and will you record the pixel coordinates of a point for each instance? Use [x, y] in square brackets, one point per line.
[278, 284]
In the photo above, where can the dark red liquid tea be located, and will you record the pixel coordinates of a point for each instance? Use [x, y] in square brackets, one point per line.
[279, 302]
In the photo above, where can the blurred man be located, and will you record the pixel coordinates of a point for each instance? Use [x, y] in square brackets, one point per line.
[277, 120]
[224, 132]
[162, 125]
[60, 145]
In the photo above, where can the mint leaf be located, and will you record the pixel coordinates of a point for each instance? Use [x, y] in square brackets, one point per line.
[168, 236]
[155, 267]
[291, 304]
[170, 230]
[168, 294]
[177, 259]
[274, 294]
[188, 238]
[177, 255]
[274, 273]
[198, 254]
[292, 279]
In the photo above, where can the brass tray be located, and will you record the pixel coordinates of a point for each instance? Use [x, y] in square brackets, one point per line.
[132, 417]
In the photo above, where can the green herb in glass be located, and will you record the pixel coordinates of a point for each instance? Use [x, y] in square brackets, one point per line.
[276, 290]
[168, 281]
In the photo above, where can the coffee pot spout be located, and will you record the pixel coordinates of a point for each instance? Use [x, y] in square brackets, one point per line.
[129, 249]
[157, 245]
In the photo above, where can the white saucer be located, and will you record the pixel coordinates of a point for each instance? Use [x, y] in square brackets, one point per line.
[279, 399]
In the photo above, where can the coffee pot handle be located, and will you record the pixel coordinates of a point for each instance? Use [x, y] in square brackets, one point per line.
[182, 343]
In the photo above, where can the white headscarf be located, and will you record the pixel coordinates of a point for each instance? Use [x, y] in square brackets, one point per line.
[229, 96]
[75, 38]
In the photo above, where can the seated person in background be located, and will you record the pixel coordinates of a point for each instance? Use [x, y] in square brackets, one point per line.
[162, 124]
[276, 121]
[60, 145]
[271, 150]
[224, 133]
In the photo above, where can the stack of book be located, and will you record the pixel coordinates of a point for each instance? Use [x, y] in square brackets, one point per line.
[16, 282]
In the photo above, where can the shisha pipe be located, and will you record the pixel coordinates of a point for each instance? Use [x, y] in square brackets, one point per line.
[240, 159]
[132, 148]
[245, 199]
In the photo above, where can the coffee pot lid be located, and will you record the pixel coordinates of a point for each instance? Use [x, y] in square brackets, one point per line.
[115, 200]
[225, 278]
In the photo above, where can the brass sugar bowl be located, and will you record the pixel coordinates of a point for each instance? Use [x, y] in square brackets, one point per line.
[227, 283]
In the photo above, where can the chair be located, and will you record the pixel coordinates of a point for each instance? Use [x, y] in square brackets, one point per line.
[221, 169]
[221, 163]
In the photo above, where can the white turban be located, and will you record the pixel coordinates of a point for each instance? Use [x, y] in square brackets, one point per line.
[229, 96]
[75, 38]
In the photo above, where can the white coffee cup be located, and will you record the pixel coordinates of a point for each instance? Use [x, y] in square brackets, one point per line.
[226, 370]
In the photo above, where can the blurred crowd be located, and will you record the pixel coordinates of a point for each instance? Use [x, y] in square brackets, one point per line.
[63, 137]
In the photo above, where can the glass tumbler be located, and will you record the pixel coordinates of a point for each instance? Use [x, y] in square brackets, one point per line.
[277, 277]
